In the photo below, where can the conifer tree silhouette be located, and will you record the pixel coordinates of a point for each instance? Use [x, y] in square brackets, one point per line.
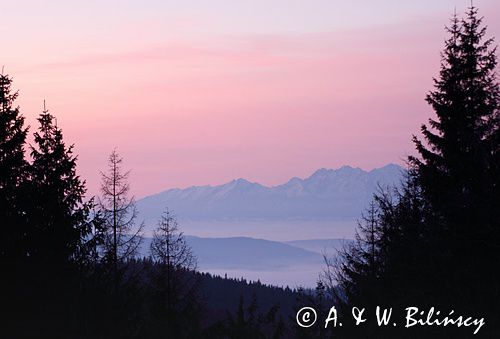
[121, 235]
[58, 221]
[12, 173]
[436, 240]
[459, 165]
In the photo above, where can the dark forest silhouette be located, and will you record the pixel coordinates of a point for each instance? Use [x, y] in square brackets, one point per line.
[434, 241]
[69, 266]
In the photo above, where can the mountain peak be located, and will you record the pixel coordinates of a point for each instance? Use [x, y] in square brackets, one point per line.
[239, 185]
[325, 172]
[321, 172]
[391, 166]
[241, 181]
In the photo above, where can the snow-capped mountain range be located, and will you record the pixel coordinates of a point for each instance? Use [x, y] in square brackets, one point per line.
[340, 193]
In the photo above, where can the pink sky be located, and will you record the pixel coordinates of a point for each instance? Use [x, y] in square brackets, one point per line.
[195, 93]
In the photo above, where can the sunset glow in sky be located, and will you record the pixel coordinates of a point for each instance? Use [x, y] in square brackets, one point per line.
[202, 92]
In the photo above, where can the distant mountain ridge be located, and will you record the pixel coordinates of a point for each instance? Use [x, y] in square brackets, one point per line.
[244, 253]
[290, 263]
[326, 194]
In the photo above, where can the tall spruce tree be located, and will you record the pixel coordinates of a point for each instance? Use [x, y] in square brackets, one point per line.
[437, 236]
[58, 216]
[12, 173]
[458, 167]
